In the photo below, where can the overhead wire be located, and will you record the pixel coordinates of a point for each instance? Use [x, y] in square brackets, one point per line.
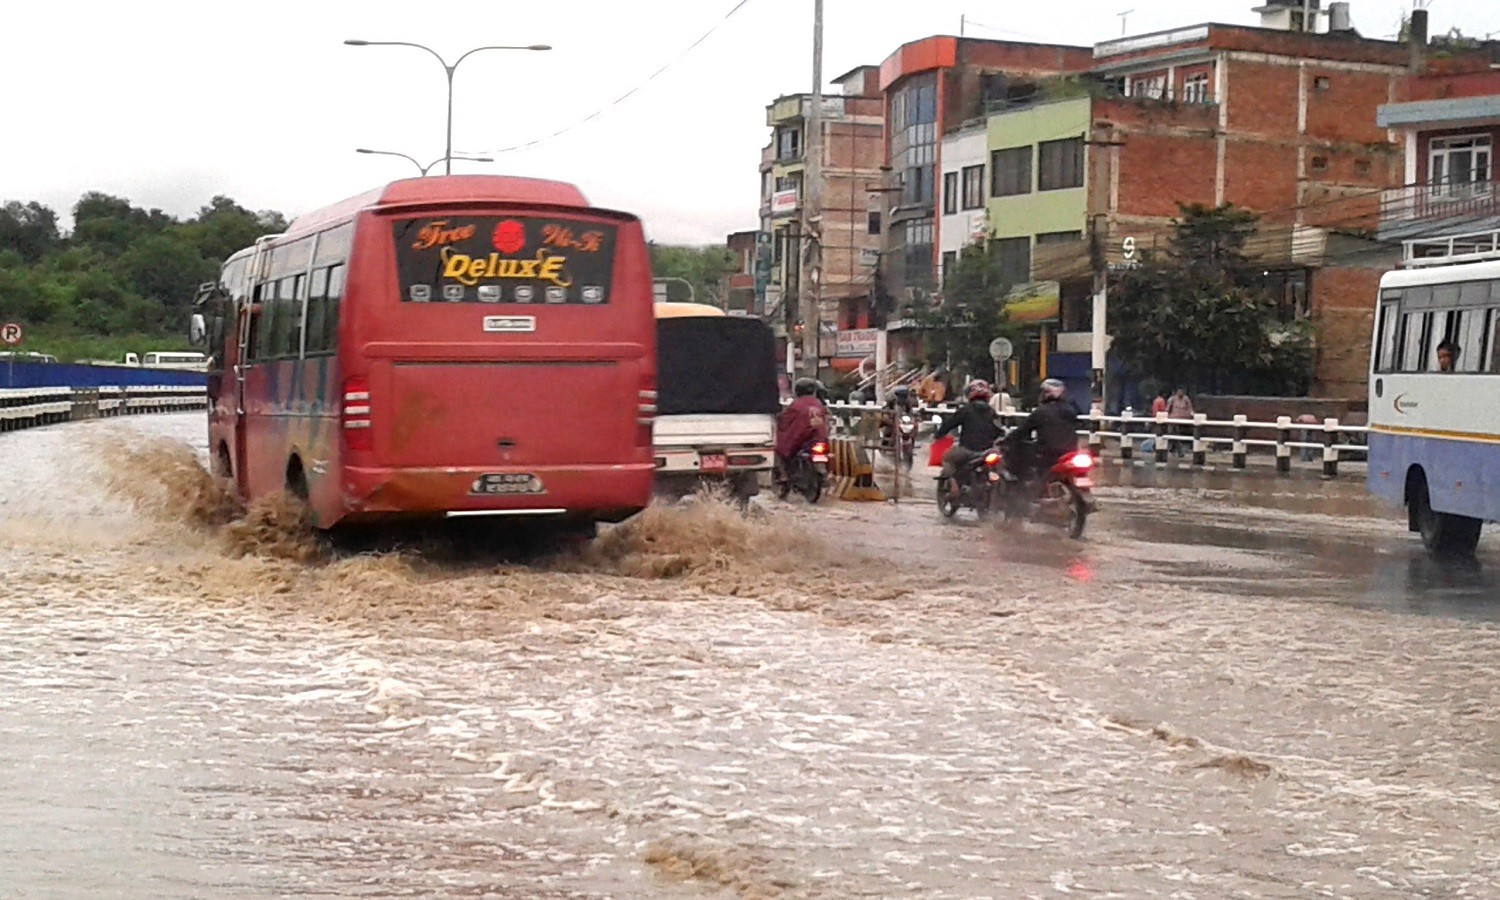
[628, 94]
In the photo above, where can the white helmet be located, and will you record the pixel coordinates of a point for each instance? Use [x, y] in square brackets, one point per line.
[1053, 389]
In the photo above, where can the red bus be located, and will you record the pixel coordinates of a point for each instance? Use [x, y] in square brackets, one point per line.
[447, 346]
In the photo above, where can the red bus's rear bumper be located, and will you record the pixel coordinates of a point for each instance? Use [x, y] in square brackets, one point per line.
[604, 493]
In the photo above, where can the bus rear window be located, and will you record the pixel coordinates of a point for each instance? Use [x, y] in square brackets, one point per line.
[504, 259]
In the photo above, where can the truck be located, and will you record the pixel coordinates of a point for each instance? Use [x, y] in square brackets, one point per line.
[717, 400]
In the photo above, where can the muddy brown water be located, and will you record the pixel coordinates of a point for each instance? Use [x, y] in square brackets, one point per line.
[1221, 692]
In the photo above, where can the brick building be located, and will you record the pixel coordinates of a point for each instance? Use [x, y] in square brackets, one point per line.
[1274, 121]
[931, 87]
[851, 148]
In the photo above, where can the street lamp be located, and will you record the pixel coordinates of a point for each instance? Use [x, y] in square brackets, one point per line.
[448, 70]
[421, 168]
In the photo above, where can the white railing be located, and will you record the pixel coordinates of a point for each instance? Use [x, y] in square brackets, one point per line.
[31, 407]
[1327, 441]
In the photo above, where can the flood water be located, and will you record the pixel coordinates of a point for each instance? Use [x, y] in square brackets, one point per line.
[1236, 685]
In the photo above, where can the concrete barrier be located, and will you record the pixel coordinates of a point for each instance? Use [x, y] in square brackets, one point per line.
[33, 407]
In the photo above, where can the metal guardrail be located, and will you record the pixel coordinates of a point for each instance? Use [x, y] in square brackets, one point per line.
[1328, 442]
[32, 407]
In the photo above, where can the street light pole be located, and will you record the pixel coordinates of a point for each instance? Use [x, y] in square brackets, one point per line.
[448, 71]
[812, 312]
[421, 168]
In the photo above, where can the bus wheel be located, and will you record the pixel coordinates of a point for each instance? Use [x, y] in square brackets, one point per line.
[1443, 534]
[296, 480]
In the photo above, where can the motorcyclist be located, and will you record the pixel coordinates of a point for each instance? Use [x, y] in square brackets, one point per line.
[900, 403]
[978, 427]
[802, 422]
[1053, 425]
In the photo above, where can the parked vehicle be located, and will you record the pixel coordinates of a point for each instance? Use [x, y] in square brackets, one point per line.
[716, 400]
[163, 359]
[805, 474]
[1062, 496]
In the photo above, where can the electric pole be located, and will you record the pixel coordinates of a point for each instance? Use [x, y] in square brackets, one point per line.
[812, 210]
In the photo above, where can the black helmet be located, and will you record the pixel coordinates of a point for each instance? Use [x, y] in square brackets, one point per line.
[808, 387]
[901, 393]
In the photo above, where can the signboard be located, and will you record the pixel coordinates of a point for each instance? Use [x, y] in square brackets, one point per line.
[11, 333]
[868, 257]
[1038, 301]
[784, 202]
[856, 343]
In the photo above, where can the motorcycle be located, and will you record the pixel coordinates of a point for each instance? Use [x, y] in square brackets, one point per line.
[1062, 496]
[907, 427]
[978, 486]
[805, 473]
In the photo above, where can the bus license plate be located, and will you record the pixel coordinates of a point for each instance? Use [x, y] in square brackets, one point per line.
[713, 463]
[507, 483]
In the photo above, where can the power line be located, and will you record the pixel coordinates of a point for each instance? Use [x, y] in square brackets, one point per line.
[625, 96]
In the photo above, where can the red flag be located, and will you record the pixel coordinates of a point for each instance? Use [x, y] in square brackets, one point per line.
[939, 447]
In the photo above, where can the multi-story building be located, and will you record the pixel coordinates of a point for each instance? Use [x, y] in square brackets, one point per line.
[932, 87]
[1275, 121]
[851, 156]
[738, 287]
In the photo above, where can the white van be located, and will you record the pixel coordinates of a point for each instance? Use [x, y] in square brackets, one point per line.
[195, 362]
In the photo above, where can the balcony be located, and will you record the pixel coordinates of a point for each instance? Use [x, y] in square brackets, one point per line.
[1425, 209]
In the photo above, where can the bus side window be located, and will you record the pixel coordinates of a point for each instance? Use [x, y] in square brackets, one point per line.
[260, 324]
[1492, 348]
[336, 275]
[317, 311]
[1390, 337]
[297, 316]
[1413, 350]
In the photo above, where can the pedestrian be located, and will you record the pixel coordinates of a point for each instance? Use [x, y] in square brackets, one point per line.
[1308, 453]
[1180, 407]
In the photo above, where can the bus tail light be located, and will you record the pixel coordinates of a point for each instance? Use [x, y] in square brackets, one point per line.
[645, 416]
[355, 417]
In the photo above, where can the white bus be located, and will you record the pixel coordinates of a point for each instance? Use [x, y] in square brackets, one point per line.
[1435, 431]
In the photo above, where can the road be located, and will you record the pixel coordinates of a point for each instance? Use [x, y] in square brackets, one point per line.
[1236, 686]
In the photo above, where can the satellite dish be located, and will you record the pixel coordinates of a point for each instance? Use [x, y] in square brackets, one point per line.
[1000, 349]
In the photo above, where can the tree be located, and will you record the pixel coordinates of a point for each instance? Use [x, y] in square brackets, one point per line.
[702, 267]
[1195, 316]
[959, 331]
[30, 229]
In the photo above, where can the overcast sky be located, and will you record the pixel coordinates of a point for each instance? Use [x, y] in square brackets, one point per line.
[170, 103]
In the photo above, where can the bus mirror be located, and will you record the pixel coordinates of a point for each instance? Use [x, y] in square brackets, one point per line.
[197, 330]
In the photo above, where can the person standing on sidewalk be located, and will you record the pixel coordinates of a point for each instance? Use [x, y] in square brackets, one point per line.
[1180, 407]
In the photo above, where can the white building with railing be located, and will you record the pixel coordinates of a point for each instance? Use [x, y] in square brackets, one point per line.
[1450, 143]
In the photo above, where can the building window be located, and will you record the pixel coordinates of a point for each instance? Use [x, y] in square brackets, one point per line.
[1459, 166]
[1321, 83]
[950, 193]
[1060, 164]
[950, 264]
[1153, 87]
[973, 187]
[788, 143]
[1013, 259]
[1010, 172]
[1319, 164]
[1058, 237]
[1195, 89]
[1362, 168]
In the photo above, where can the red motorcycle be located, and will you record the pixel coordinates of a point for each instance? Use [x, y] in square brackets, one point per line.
[1062, 496]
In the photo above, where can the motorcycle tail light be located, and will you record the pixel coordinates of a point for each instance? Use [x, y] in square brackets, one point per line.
[1082, 461]
[819, 449]
[992, 459]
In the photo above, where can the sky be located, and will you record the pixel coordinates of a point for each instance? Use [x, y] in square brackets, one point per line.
[169, 103]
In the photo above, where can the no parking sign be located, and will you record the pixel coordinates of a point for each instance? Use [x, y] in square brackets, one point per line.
[11, 333]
